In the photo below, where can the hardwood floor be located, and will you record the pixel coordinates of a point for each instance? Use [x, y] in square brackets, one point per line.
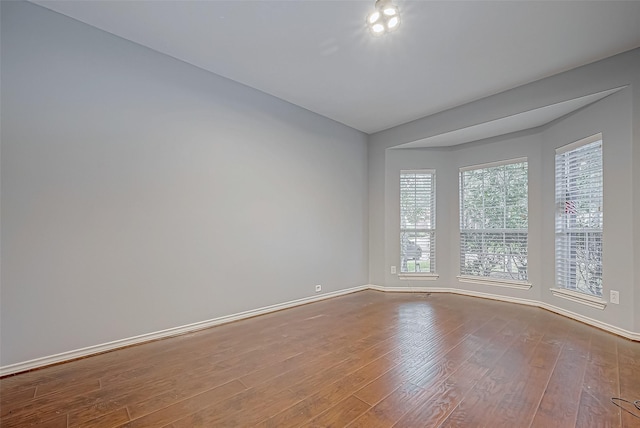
[368, 359]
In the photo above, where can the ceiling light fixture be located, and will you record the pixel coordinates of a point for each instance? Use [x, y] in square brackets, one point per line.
[384, 19]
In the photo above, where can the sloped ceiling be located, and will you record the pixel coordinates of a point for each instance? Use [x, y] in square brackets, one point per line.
[319, 55]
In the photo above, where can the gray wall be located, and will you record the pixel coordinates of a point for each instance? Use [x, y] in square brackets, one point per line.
[518, 145]
[397, 160]
[140, 193]
[617, 117]
[636, 198]
[612, 117]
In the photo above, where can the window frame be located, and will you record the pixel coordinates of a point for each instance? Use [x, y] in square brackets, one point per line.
[432, 273]
[464, 276]
[563, 231]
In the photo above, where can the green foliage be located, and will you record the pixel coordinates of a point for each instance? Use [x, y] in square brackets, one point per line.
[417, 224]
[579, 218]
[418, 266]
[494, 221]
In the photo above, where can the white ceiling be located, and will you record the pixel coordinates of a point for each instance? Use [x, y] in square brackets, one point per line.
[318, 54]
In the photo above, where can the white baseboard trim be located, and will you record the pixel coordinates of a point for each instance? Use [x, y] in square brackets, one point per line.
[175, 331]
[399, 289]
[189, 328]
[584, 319]
[595, 323]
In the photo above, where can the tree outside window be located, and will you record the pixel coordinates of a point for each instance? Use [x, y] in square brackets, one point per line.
[494, 221]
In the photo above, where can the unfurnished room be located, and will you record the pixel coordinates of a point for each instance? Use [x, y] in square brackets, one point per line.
[287, 213]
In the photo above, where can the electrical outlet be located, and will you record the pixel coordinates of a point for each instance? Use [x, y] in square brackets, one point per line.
[318, 288]
[393, 270]
[614, 297]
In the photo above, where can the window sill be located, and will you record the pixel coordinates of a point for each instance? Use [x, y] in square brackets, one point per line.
[419, 276]
[576, 296]
[521, 285]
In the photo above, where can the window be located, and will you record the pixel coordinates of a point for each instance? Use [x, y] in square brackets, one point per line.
[494, 221]
[579, 216]
[417, 221]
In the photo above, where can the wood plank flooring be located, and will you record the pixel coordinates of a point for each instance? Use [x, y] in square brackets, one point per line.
[368, 359]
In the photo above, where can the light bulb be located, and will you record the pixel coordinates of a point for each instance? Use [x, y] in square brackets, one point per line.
[385, 18]
[377, 28]
[390, 11]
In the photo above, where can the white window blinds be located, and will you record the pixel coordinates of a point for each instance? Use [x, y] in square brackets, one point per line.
[494, 220]
[579, 221]
[417, 221]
